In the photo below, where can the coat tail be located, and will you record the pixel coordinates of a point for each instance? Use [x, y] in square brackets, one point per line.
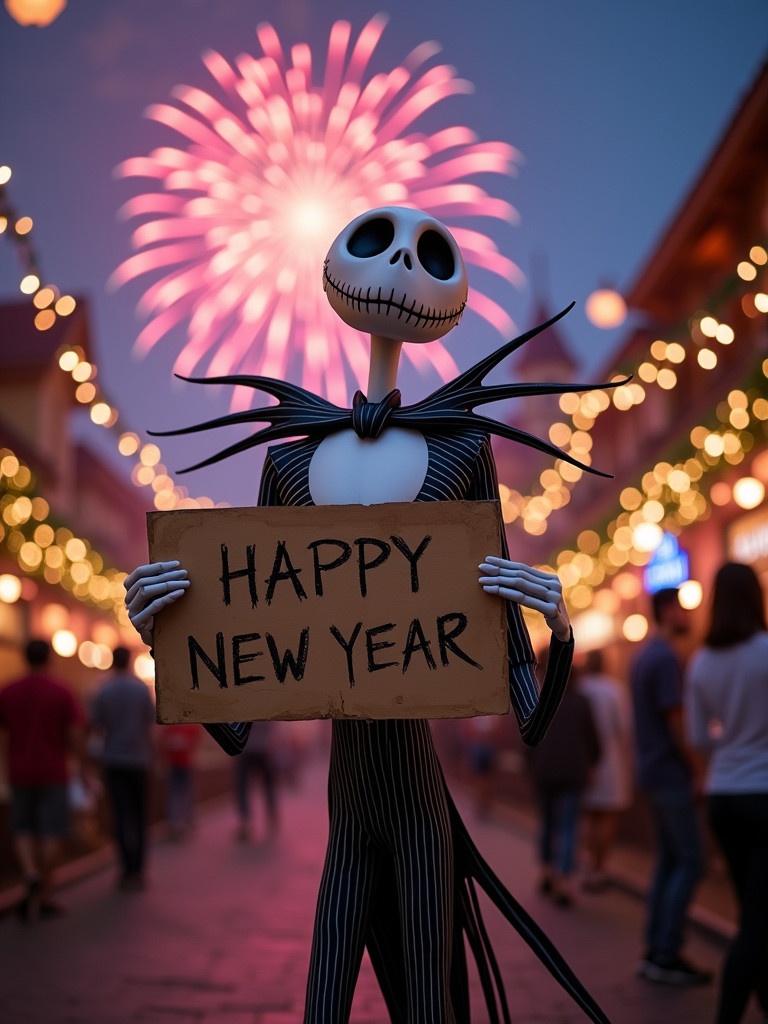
[471, 869]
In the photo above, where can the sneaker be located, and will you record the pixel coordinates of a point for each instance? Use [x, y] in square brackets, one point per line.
[677, 971]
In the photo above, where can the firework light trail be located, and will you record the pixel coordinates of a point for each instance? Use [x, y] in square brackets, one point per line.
[232, 240]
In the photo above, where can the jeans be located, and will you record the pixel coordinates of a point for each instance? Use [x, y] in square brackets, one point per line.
[560, 809]
[740, 824]
[679, 866]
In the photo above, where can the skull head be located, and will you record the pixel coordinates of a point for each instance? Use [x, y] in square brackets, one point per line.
[397, 273]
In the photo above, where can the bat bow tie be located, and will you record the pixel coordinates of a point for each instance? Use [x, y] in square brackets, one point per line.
[449, 410]
[370, 418]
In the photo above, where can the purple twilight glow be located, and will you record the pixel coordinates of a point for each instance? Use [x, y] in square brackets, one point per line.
[231, 238]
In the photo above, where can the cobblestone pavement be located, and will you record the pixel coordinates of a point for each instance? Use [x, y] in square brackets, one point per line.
[221, 936]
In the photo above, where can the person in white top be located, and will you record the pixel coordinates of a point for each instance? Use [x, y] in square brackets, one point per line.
[727, 721]
[610, 789]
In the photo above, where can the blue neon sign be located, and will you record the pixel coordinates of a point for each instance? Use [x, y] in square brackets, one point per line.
[668, 566]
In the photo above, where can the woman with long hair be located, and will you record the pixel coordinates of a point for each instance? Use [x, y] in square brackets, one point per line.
[727, 720]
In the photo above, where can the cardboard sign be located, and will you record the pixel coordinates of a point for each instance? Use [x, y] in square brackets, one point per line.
[342, 611]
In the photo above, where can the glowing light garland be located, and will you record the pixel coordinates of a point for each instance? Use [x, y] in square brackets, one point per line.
[673, 494]
[40, 547]
[702, 333]
[148, 469]
[270, 169]
[44, 548]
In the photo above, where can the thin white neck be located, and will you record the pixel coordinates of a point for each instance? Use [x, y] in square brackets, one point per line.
[382, 372]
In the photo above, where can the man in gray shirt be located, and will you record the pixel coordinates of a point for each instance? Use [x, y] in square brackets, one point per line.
[123, 713]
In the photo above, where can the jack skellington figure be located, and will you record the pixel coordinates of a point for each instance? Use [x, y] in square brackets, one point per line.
[400, 869]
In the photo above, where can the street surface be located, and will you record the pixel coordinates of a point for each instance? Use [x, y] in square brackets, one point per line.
[222, 934]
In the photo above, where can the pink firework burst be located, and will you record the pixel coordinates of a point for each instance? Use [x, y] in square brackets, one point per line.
[232, 239]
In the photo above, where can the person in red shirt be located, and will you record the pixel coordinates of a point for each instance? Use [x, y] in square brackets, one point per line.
[179, 745]
[44, 726]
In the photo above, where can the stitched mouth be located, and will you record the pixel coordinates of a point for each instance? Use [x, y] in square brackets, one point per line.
[372, 300]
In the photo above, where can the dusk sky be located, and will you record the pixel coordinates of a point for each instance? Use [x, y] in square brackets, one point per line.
[613, 106]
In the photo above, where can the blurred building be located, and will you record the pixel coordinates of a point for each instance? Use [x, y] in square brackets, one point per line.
[687, 439]
[70, 525]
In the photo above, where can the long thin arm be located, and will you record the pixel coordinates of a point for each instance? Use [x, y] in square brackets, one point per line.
[534, 707]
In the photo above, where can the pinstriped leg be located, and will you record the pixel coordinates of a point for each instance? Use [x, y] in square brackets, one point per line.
[410, 937]
[425, 885]
[385, 945]
[365, 779]
[425, 877]
[410, 940]
[349, 877]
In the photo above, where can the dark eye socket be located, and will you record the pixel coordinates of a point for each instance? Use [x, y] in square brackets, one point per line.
[372, 238]
[436, 255]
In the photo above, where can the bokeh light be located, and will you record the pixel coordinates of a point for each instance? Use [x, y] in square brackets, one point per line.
[748, 492]
[635, 628]
[64, 642]
[690, 594]
[35, 12]
[10, 588]
[606, 308]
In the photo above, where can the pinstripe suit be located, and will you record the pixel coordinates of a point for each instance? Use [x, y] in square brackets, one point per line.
[399, 869]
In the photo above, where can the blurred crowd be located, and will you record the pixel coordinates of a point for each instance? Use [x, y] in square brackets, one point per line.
[684, 738]
[83, 774]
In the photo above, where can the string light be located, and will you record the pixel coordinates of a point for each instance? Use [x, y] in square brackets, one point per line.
[50, 304]
[654, 369]
[54, 553]
[670, 496]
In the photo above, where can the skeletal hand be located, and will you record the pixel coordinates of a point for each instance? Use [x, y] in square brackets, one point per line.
[149, 589]
[532, 588]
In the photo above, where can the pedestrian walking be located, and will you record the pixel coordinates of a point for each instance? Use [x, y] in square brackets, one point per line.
[609, 791]
[123, 713]
[560, 767]
[257, 758]
[43, 723]
[178, 745]
[727, 720]
[666, 772]
[480, 737]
